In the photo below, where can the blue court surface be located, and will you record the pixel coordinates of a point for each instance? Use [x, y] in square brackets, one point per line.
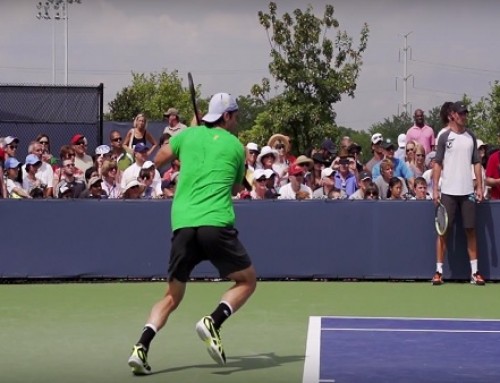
[376, 350]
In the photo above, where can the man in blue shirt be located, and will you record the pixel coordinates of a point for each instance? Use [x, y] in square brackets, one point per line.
[400, 167]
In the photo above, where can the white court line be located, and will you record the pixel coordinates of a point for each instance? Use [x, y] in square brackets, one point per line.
[407, 330]
[311, 362]
[415, 318]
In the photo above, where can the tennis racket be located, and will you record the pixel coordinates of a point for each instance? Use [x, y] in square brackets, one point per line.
[441, 219]
[192, 92]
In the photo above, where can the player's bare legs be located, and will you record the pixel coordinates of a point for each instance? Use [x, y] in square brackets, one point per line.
[163, 308]
[243, 288]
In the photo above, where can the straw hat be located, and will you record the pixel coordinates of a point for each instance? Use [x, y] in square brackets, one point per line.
[279, 139]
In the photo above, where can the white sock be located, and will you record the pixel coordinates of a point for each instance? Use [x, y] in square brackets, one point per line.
[151, 326]
[228, 305]
[473, 266]
[439, 267]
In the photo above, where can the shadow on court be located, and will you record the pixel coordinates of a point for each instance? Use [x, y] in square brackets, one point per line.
[242, 363]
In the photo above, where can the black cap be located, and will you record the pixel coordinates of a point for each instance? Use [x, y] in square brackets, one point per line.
[387, 144]
[459, 107]
[364, 175]
[329, 146]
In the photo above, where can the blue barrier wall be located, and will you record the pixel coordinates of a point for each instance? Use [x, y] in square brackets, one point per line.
[294, 239]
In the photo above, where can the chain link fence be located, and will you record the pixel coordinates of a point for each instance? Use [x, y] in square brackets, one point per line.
[57, 111]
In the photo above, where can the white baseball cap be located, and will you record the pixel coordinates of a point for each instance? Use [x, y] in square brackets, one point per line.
[219, 104]
[377, 138]
[402, 140]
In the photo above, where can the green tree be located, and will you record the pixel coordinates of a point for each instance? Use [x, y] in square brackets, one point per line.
[392, 127]
[153, 94]
[249, 109]
[312, 70]
[484, 116]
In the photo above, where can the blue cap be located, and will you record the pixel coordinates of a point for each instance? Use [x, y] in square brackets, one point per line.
[11, 163]
[32, 159]
[140, 148]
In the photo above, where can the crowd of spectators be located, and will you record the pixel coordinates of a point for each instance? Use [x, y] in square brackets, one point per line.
[122, 168]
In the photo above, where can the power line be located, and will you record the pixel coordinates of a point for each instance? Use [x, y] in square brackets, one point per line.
[455, 66]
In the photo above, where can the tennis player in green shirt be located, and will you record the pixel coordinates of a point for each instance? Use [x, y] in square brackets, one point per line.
[213, 165]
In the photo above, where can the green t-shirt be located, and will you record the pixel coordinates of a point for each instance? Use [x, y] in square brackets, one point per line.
[212, 161]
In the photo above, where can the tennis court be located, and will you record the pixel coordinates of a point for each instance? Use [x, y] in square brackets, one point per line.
[83, 332]
[362, 350]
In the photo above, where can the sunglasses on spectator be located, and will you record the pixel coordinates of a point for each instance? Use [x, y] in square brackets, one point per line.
[372, 195]
[81, 143]
[410, 150]
[117, 139]
[43, 142]
[279, 146]
[420, 155]
[254, 152]
[13, 146]
[69, 165]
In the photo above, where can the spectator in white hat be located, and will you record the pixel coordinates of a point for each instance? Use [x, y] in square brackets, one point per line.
[141, 162]
[378, 152]
[327, 184]
[10, 144]
[252, 151]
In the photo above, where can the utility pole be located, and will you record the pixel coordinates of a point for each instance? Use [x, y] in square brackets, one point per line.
[406, 76]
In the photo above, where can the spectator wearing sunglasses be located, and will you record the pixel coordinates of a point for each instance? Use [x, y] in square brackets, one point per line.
[371, 192]
[30, 179]
[94, 189]
[47, 157]
[281, 144]
[66, 153]
[259, 183]
[110, 182]
[133, 190]
[118, 151]
[68, 179]
[44, 172]
[82, 160]
[10, 146]
[145, 178]
[251, 153]
[327, 185]
[399, 167]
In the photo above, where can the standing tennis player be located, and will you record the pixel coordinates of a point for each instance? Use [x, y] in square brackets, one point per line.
[456, 151]
[213, 163]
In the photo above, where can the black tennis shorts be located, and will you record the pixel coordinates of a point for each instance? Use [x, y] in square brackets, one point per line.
[467, 208]
[219, 245]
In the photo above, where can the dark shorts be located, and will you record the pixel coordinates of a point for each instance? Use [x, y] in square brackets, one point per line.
[219, 245]
[467, 208]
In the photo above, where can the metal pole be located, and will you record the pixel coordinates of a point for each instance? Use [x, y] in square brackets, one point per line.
[66, 14]
[53, 51]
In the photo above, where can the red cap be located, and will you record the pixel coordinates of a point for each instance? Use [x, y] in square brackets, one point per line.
[76, 138]
[2, 154]
[295, 170]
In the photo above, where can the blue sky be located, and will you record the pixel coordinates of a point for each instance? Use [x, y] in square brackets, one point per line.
[453, 47]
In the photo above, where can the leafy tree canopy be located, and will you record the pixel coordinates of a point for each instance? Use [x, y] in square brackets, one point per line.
[313, 72]
[153, 94]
